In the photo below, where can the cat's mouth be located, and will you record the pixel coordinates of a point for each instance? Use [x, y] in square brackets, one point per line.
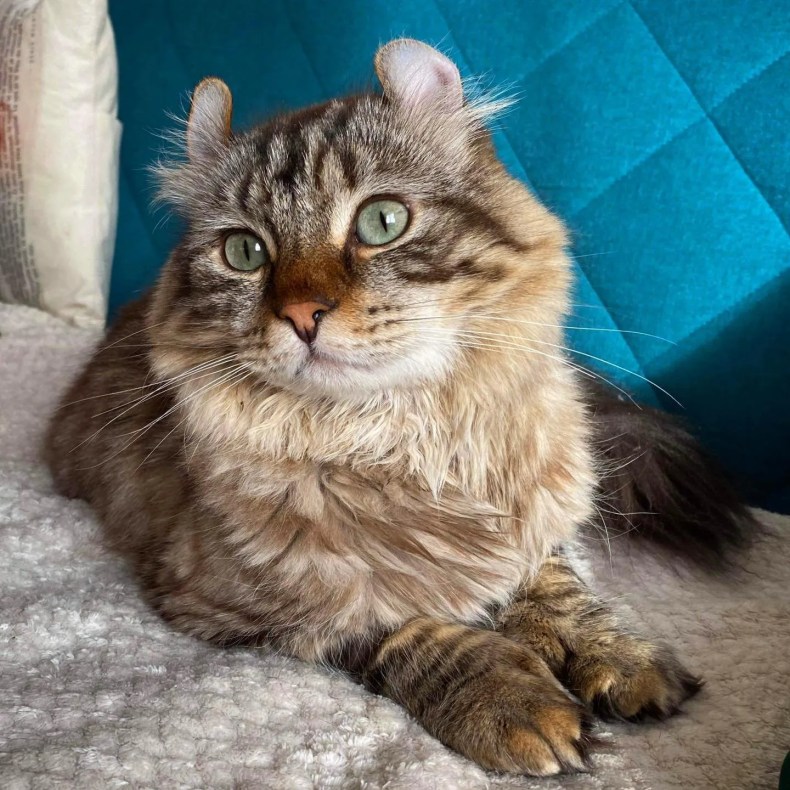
[322, 360]
[357, 372]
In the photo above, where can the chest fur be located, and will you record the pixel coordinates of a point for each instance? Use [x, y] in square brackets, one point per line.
[353, 522]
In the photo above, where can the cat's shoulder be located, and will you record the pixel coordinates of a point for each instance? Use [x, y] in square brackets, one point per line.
[131, 317]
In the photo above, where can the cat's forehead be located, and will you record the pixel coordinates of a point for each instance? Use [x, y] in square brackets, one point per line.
[355, 123]
[340, 151]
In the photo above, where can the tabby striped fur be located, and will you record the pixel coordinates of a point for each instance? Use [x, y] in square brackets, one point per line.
[384, 498]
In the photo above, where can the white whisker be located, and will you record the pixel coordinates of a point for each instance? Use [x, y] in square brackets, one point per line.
[139, 432]
[133, 389]
[131, 406]
[514, 346]
[236, 380]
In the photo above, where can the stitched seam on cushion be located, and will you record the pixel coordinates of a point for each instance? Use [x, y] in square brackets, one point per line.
[639, 162]
[705, 117]
[749, 79]
[635, 166]
[753, 76]
[719, 103]
[623, 336]
[728, 311]
[677, 134]
[562, 46]
[548, 56]
[748, 175]
[729, 145]
[313, 69]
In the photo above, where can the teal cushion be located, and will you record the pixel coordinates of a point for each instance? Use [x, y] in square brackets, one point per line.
[656, 128]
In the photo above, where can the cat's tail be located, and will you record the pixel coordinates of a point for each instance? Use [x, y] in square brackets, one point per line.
[659, 484]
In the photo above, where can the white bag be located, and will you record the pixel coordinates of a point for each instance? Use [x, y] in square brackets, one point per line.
[59, 138]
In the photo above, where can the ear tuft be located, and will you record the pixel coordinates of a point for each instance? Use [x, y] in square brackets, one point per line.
[208, 126]
[416, 75]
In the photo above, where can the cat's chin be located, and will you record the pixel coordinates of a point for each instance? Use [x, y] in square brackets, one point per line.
[324, 375]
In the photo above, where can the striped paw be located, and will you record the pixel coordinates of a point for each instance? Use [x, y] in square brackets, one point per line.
[633, 681]
[517, 721]
[484, 696]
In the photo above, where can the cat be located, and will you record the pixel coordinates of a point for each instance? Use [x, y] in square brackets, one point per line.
[342, 424]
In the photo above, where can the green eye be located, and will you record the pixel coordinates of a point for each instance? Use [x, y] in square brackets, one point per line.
[381, 222]
[245, 252]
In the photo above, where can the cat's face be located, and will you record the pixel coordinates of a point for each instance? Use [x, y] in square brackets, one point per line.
[348, 248]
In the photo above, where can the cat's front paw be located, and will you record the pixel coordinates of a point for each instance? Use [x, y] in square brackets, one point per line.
[631, 679]
[488, 698]
[519, 722]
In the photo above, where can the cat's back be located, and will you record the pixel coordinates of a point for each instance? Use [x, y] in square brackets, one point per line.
[104, 431]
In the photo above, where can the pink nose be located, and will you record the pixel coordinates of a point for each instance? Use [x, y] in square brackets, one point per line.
[305, 317]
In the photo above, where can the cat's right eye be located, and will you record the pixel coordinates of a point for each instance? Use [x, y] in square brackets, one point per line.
[245, 252]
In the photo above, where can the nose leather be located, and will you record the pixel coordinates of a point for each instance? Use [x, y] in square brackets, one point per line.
[304, 316]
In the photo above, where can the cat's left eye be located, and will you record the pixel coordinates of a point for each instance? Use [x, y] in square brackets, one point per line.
[382, 221]
[245, 252]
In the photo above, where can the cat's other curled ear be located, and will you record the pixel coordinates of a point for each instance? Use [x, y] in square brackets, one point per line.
[208, 126]
[416, 76]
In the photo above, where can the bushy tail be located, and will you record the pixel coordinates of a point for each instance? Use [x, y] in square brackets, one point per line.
[659, 484]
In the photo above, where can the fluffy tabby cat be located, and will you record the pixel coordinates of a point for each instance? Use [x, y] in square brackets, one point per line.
[342, 424]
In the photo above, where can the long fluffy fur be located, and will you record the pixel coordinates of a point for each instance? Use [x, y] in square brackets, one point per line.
[370, 498]
[659, 484]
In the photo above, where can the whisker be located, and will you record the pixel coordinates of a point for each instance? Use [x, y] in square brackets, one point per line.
[581, 353]
[130, 389]
[188, 325]
[498, 317]
[619, 367]
[613, 472]
[574, 351]
[605, 530]
[134, 403]
[167, 344]
[502, 346]
[589, 255]
[132, 334]
[169, 383]
[140, 432]
[231, 383]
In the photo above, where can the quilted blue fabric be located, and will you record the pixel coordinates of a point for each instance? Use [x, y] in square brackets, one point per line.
[657, 128]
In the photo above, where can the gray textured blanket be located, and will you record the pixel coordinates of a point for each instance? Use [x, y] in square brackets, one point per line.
[95, 691]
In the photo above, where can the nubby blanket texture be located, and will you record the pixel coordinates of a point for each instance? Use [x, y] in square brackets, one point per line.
[97, 692]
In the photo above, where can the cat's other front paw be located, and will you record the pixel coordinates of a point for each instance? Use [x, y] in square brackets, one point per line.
[631, 679]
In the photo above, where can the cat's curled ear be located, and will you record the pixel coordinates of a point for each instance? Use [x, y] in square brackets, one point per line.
[208, 126]
[415, 75]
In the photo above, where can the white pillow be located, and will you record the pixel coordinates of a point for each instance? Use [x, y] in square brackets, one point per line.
[59, 138]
